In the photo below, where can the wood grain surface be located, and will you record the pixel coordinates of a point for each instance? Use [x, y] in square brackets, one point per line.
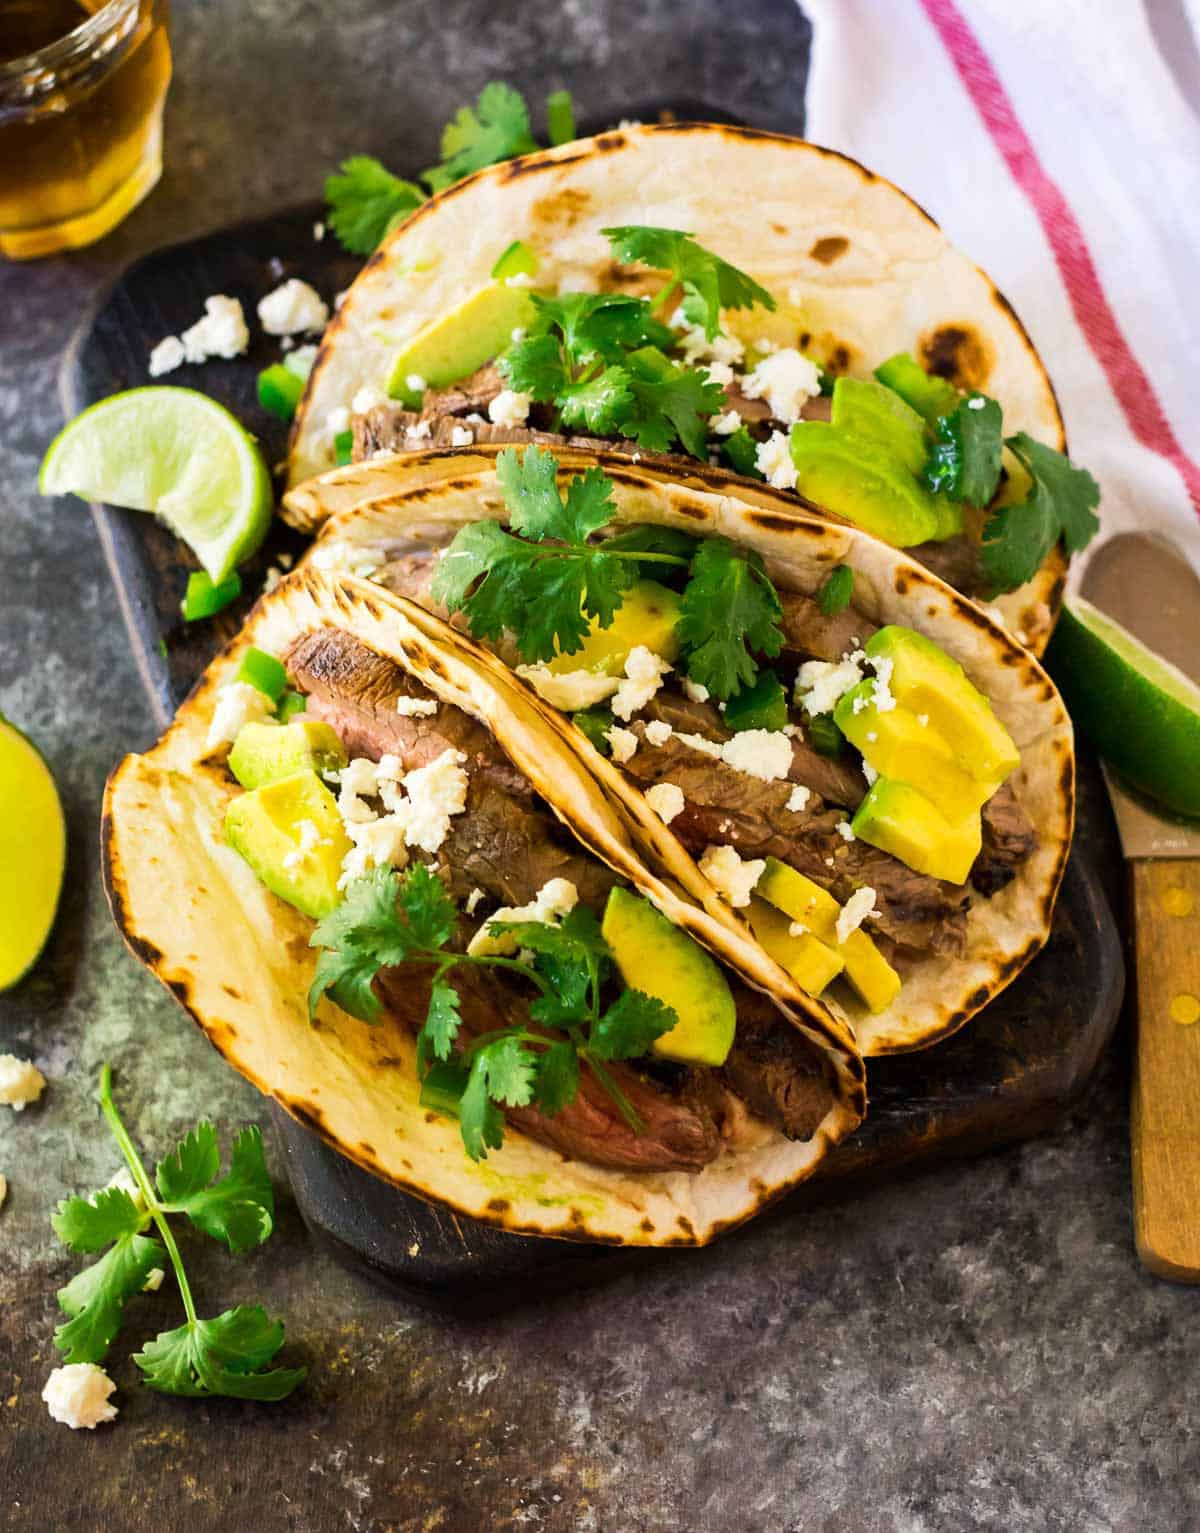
[1165, 1110]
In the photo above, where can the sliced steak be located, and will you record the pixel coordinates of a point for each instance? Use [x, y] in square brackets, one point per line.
[1009, 839]
[775, 1070]
[469, 396]
[677, 1134]
[807, 631]
[956, 561]
[756, 413]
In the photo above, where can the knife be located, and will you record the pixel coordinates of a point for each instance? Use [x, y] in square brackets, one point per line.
[1147, 586]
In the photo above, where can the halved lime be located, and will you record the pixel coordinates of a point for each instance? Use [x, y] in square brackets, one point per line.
[1141, 712]
[33, 845]
[174, 452]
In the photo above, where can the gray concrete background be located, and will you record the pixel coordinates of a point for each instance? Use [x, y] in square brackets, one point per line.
[977, 1348]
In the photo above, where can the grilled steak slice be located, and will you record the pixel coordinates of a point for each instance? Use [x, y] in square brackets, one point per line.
[756, 413]
[469, 396]
[677, 1134]
[807, 631]
[1009, 840]
[956, 561]
[775, 1070]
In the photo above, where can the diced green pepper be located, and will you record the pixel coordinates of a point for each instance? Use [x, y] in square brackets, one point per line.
[823, 735]
[264, 672]
[761, 706]
[442, 1088]
[595, 723]
[739, 451]
[560, 117]
[279, 390]
[204, 599]
[343, 447]
[517, 261]
[290, 704]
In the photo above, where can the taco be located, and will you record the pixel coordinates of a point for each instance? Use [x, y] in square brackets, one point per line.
[765, 315]
[848, 749]
[385, 888]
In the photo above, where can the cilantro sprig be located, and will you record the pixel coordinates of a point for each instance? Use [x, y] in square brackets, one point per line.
[709, 283]
[836, 590]
[549, 578]
[226, 1355]
[366, 201]
[388, 919]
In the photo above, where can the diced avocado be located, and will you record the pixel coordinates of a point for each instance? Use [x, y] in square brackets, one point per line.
[801, 900]
[949, 517]
[457, 343]
[868, 409]
[868, 485]
[761, 706]
[925, 680]
[805, 957]
[655, 956]
[291, 834]
[263, 753]
[648, 616]
[929, 395]
[897, 819]
[897, 744]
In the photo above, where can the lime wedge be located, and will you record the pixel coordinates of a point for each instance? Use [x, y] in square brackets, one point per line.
[33, 845]
[174, 452]
[1141, 712]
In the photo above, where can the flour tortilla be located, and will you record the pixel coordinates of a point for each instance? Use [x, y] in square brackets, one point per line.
[858, 269]
[237, 958]
[420, 500]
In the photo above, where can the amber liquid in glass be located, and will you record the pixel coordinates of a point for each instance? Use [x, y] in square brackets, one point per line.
[75, 158]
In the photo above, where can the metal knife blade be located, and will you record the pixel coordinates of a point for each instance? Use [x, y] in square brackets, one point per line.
[1144, 582]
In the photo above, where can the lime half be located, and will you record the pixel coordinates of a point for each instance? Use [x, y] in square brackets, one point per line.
[174, 452]
[33, 845]
[1141, 712]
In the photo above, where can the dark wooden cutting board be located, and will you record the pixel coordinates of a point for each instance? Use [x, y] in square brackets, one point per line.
[1010, 1073]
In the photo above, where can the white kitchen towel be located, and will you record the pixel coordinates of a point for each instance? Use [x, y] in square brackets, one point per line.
[1055, 143]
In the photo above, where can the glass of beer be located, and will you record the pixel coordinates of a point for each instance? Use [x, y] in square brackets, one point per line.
[82, 86]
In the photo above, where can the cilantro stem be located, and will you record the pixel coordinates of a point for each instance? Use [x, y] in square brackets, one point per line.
[153, 1208]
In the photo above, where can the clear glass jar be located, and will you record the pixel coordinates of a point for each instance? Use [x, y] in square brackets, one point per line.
[80, 118]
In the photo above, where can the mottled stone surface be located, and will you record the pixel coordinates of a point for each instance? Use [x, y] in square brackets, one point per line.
[975, 1348]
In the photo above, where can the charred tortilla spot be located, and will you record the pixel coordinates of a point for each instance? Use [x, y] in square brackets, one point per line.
[530, 164]
[770, 521]
[232, 993]
[686, 1225]
[563, 208]
[305, 1112]
[431, 1117]
[779, 228]
[957, 352]
[838, 360]
[902, 581]
[646, 1227]
[366, 1148]
[498, 1205]
[805, 339]
[829, 248]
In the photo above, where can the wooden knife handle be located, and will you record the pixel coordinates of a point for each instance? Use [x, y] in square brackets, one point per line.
[1165, 1110]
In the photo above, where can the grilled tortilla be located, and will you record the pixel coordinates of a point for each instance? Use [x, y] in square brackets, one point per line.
[238, 958]
[858, 270]
[408, 505]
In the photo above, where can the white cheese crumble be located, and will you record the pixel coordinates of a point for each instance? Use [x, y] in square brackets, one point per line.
[658, 732]
[21, 1082]
[310, 839]
[167, 356]
[519, 279]
[718, 372]
[796, 928]
[644, 672]
[222, 332]
[725, 425]
[869, 773]
[696, 346]
[773, 459]
[977, 403]
[238, 703]
[699, 743]
[124, 1179]
[378, 842]
[345, 559]
[473, 900]
[417, 707]
[785, 379]
[882, 666]
[292, 308]
[762, 753]
[568, 690]
[730, 874]
[798, 799]
[435, 792]
[854, 912]
[510, 408]
[77, 1395]
[555, 899]
[461, 436]
[666, 799]
[415, 433]
[622, 742]
[845, 830]
[337, 421]
[820, 683]
[318, 231]
[367, 398]
[695, 690]
[271, 579]
[154, 1280]
[415, 383]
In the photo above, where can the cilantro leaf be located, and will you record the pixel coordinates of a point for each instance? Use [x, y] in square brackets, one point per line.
[442, 1021]
[1061, 502]
[558, 1077]
[630, 1025]
[535, 366]
[365, 934]
[511, 1068]
[669, 401]
[537, 511]
[740, 451]
[239, 1208]
[649, 538]
[709, 283]
[480, 1121]
[836, 590]
[965, 461]
[729, 612]
[426, 905]
[224, 1356]
[600, 405]
[95, 1298]
[365, 200]
[495, 129]
[599, 325]
[89, 1224]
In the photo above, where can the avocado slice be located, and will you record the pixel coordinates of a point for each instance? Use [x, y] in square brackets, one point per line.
[926, 680]
[897, 819]
[897, 744]
[457, 343]
[868, 409]
[929, 395]
[867, 484]
[653, 955]
[806, 958]
[262, 753]
[801, 900]
[648, 616]
[267, 827]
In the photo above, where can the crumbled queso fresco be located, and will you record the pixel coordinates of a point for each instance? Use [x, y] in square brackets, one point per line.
[417, 707]
[786, 380]
[77, 1395]
[854, 912]
[666, 799]
[417, 806]
[622, 742]
[292, 308]
[220, 332]
[773, 459]
[510, 408]
[731, 875]
[568, 690]
[644, 672]
[21, 1082]
[554, 900]
[238, 704]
